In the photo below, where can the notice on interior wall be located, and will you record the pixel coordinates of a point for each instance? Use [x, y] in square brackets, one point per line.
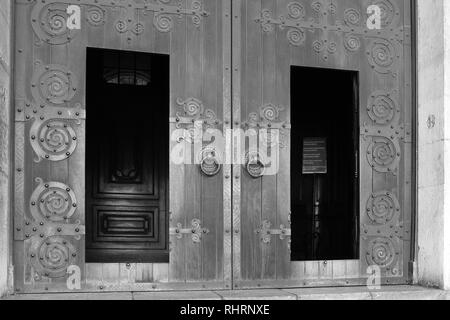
[314, 156]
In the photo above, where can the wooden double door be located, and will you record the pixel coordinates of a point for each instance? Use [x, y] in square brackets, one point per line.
[224, 216]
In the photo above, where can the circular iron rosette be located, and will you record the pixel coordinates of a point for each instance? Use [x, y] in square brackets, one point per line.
[255, 164]
[383, 108]
[382, 252]
[383, 207]
[95, 16]
[383, 155]
[52, 201]
[210, 161]
[49, 23]
[53, 85]
[382, 56]
[53, 140]
[50, 257]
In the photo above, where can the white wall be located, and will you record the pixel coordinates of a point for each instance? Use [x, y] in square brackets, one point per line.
[5, 136]
[433, 143]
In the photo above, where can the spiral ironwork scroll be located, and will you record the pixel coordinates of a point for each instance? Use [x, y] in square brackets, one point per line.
[352, 43]
[382, 108]
[381, 252]
[52, 256]
[53, 84]
[382, 55]
[196, 231]
[163, 22]
[383, 207]
[53, 140]
[382, 44]
[194, 117]
[49, 23]
[266, 232]
[296, 10]
[95, 16]
[352, 17]
[49, 18]
[52, 201]
[383, 154]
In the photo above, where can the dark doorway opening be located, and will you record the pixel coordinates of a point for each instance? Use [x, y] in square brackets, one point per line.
[127, 156]
[324, 164]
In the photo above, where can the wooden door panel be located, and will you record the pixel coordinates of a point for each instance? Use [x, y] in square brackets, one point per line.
[271, 36]
[51, 79]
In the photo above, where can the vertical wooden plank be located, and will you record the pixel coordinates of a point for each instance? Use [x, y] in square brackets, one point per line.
[110, 273]
[251, 244]
[127, 273]
[23, 64]
[144, 272]
[285, 268]
[193, 189]
[177, 173]
[93, 275]
[228, 250]
[339, 269]
[311, 270]
[269, 182]
[352, 268]
[298, 270]
[146, 42]
[162, 44]
[237, 228]
[326, 270]
[212, 199]
[160, 272]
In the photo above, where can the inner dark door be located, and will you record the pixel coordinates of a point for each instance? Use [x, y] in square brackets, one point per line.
[127, 157]
[324, 164]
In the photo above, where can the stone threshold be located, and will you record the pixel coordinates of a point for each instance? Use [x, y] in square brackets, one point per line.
[347, 293]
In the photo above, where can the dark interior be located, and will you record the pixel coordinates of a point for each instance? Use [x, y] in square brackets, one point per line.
[127, 156]
[325, 206]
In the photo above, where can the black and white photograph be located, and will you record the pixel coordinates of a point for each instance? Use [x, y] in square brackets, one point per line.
[227, 150]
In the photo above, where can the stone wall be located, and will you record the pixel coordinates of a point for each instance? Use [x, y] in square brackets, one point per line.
[5, 138]
[433, 265]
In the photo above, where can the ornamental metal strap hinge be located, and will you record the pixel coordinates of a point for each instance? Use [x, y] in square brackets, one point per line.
[391, 230]
[402, 132]
[265, 232]
[45, 14]
[45, 229]
[52, 111]
[196, 231]
[384, 211]
[52, 206]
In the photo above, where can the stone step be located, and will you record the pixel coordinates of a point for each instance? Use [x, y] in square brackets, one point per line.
[348, 293]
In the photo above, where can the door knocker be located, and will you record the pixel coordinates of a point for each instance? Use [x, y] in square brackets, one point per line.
[209, 162]
[255, 164]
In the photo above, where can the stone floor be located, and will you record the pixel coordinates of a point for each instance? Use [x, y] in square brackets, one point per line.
[355, 293]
